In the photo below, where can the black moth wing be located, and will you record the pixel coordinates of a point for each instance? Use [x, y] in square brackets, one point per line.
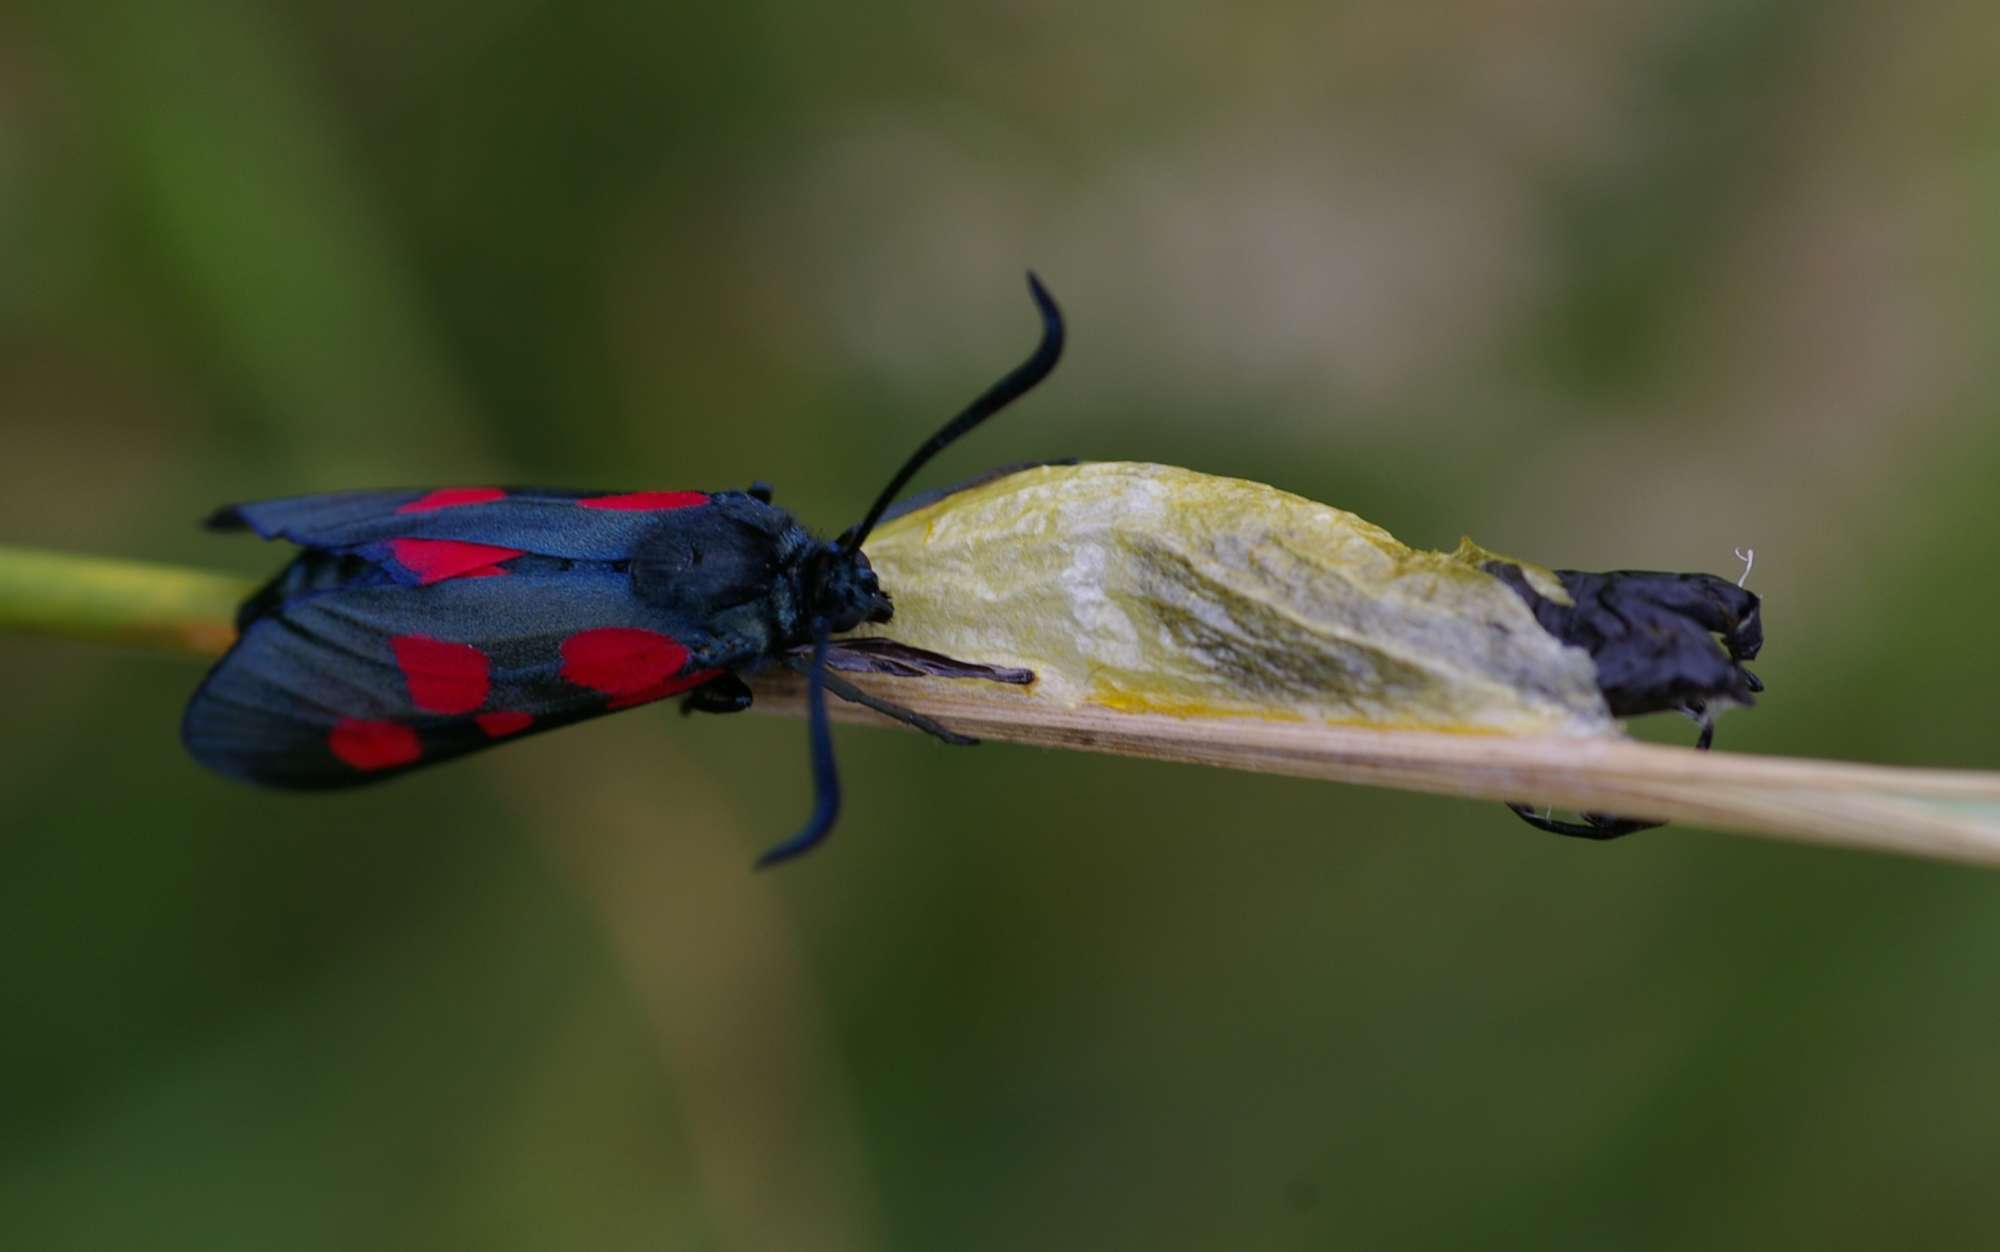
[341, 686]
[552, 521]
[379, 650]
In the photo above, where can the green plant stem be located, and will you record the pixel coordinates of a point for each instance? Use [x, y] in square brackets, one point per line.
[69, 596]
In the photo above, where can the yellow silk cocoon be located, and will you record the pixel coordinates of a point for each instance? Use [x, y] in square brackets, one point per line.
[1149, 588]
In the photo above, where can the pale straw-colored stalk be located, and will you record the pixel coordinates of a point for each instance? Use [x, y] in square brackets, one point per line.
[1951, 815]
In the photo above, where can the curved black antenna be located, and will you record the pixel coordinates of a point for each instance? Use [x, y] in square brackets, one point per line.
[826, 779]
[1009, 389]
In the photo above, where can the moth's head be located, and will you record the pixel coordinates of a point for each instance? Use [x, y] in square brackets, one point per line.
[841, 588]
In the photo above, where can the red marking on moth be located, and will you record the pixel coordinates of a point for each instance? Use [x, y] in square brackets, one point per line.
[443, 677]
[370, 746]
[434, 560]
[451, 497]
[646, 501]
[629, 665]
[503, 723]
[662, 689]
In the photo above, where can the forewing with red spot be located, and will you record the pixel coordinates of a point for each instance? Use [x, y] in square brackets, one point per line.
[426, 561]
[342, 675]
[447, 525]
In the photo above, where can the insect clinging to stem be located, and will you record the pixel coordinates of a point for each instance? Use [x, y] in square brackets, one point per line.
[418, 625]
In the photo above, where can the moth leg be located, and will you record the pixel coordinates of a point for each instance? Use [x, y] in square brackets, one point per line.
[1598, 826]
[1698, 711]
[909, 717]
[725, 693]
[1602, 826]
[875, 655]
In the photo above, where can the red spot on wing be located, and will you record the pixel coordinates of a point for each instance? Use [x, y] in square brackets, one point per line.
[450, 497]
[370, 746]
[646, 501]
[503, 723]
[629, 665]
[662, 689]
[434, 560]
[443, 677]
[619, 659]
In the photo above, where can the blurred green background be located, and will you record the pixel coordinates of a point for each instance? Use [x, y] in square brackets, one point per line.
[1602, 284]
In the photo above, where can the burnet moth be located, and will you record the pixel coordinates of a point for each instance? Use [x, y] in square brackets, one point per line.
[415, 626]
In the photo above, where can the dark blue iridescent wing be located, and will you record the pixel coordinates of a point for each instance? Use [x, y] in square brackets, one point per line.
[451, 531]
[343, 674]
